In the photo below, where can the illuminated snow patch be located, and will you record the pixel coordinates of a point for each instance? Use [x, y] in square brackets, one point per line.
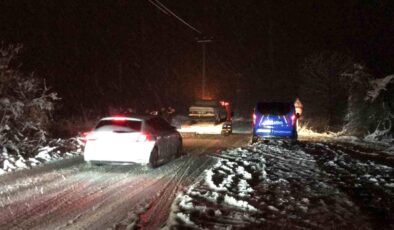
[239, 203]
[241, 170]
[185, 218]
[209, 180]
[186, 202]
[12, 161]
[244, 188]
[202, 128]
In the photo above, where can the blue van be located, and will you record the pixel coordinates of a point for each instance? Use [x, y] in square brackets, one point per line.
[274, 120]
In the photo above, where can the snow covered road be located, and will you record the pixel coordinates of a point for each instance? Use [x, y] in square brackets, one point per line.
[222, 182]
[69, 194]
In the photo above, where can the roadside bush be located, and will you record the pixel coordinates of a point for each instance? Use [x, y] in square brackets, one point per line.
[26, 106]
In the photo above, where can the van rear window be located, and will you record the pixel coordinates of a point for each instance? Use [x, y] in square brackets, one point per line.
[274, 108]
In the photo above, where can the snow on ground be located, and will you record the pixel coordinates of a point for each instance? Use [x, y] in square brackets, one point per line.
[280, 185]
[56, 150]
[374, 140]
[307, 133]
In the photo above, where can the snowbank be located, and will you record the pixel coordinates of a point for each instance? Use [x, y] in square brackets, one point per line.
[57, 149]
[278, 185]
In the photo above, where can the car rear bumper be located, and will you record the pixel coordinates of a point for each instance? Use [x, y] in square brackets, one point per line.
[130, 153]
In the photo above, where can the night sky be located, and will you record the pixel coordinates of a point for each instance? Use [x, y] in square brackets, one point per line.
[128, 53]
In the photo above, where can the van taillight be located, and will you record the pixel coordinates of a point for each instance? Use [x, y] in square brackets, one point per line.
[293, 119]
[254, 118]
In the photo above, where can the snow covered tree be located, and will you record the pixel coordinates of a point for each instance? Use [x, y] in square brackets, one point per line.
[381, 109]
[26, 105]
[323, 91]
[358, 117]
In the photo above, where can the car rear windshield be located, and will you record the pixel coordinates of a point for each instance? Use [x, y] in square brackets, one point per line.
[159, 124]
[122, 124]
[274, 108]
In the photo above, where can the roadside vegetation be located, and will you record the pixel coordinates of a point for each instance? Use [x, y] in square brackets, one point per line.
[341, 95]
[27, 105]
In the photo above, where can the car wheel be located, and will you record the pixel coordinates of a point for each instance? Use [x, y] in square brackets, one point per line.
[93, 164]
[179, 150]
[154, 157]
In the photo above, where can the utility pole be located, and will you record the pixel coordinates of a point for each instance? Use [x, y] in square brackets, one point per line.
[203, 43]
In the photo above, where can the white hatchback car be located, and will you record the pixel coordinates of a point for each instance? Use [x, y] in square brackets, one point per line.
[133, 139]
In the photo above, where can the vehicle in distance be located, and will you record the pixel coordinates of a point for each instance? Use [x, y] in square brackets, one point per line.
[207, 110]
[143, 139]
[274, 120]
[208, 117]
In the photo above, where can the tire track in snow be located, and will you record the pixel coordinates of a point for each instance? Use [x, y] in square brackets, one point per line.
[363, 180]
[128, 203]
[160, 207]
[56, 198]
[75, 196]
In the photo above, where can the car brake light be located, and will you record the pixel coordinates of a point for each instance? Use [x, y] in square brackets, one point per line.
[119, 118]
[90, 137]
[143, 137]
[254, 118]
[84, 136]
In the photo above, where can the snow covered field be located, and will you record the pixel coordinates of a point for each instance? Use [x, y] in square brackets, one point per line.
[278, 185]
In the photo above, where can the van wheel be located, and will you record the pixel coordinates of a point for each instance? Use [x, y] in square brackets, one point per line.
[294, 138]
[154, 157]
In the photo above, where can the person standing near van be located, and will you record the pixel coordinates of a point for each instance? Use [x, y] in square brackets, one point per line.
[298, 106]
[298, 110]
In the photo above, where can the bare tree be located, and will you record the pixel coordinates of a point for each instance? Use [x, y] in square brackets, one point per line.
[323, 91]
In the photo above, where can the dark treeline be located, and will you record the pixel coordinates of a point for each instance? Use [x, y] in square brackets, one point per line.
[101, 54]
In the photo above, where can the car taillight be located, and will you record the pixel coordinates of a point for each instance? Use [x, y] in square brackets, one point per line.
[144, 137]
[90, 137]
[84, 136]
[119, 119]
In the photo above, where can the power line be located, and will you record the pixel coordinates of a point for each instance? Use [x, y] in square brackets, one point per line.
[167, 11]
[158, 7]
